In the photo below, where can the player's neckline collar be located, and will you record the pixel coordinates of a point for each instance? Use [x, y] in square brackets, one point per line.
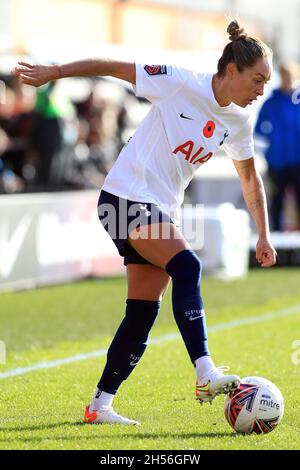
[229, 107]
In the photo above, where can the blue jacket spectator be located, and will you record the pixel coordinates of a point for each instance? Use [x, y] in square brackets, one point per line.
[279, 123]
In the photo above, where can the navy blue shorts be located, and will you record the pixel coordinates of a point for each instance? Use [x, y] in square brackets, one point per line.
[120, 216]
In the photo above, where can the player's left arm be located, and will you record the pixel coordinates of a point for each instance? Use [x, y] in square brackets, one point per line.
[255, 198]
[37, 75]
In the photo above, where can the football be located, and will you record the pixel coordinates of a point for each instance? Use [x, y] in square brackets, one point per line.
[256, 406]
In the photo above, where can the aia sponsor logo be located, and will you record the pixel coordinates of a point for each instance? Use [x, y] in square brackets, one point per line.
[192, 156]
[200, 155]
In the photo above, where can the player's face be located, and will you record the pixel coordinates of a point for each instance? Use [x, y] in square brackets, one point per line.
[245, 87]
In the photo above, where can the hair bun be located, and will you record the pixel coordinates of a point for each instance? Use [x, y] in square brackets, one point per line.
[235, 31]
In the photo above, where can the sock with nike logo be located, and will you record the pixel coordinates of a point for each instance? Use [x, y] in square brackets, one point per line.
[185, 271]
[129, 343]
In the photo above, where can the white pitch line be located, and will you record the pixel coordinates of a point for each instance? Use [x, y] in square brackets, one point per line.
[161, 339]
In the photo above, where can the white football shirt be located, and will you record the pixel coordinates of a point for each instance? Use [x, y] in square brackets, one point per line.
[183, 129]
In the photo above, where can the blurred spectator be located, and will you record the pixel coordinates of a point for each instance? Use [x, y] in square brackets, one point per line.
[51, 141]
[46, 132]
[15, 124]
[279, 123]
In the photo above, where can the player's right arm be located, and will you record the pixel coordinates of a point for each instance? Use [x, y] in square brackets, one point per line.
[37, 75]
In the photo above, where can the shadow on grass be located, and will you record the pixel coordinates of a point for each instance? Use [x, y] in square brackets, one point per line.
[123, 434]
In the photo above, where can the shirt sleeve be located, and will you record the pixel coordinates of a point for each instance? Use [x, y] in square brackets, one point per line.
[241, 147]
[157, 82]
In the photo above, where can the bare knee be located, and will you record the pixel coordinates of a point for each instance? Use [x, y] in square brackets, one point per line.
[146, 282]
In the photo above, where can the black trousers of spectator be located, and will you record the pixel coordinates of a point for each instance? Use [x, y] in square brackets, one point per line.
[46, 139]
[281, 180]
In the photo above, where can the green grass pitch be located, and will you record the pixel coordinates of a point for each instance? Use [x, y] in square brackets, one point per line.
[43, 409]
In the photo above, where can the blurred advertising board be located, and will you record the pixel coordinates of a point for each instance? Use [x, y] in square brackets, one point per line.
[49, 238]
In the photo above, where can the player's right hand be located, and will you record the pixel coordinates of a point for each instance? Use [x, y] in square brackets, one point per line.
[36, 75]
[265, 253]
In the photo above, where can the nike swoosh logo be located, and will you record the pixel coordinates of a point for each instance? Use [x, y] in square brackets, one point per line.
[10, 247]
[195, 318]
[185, 117]
[202, 388]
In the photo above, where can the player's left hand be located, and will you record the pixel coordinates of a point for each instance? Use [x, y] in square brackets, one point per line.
[36, 75]
[265, 253]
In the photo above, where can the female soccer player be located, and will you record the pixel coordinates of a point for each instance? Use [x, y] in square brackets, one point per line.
[192, 115]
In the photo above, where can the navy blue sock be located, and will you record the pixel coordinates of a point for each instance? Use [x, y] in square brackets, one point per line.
[185, 271]
[129, 343]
